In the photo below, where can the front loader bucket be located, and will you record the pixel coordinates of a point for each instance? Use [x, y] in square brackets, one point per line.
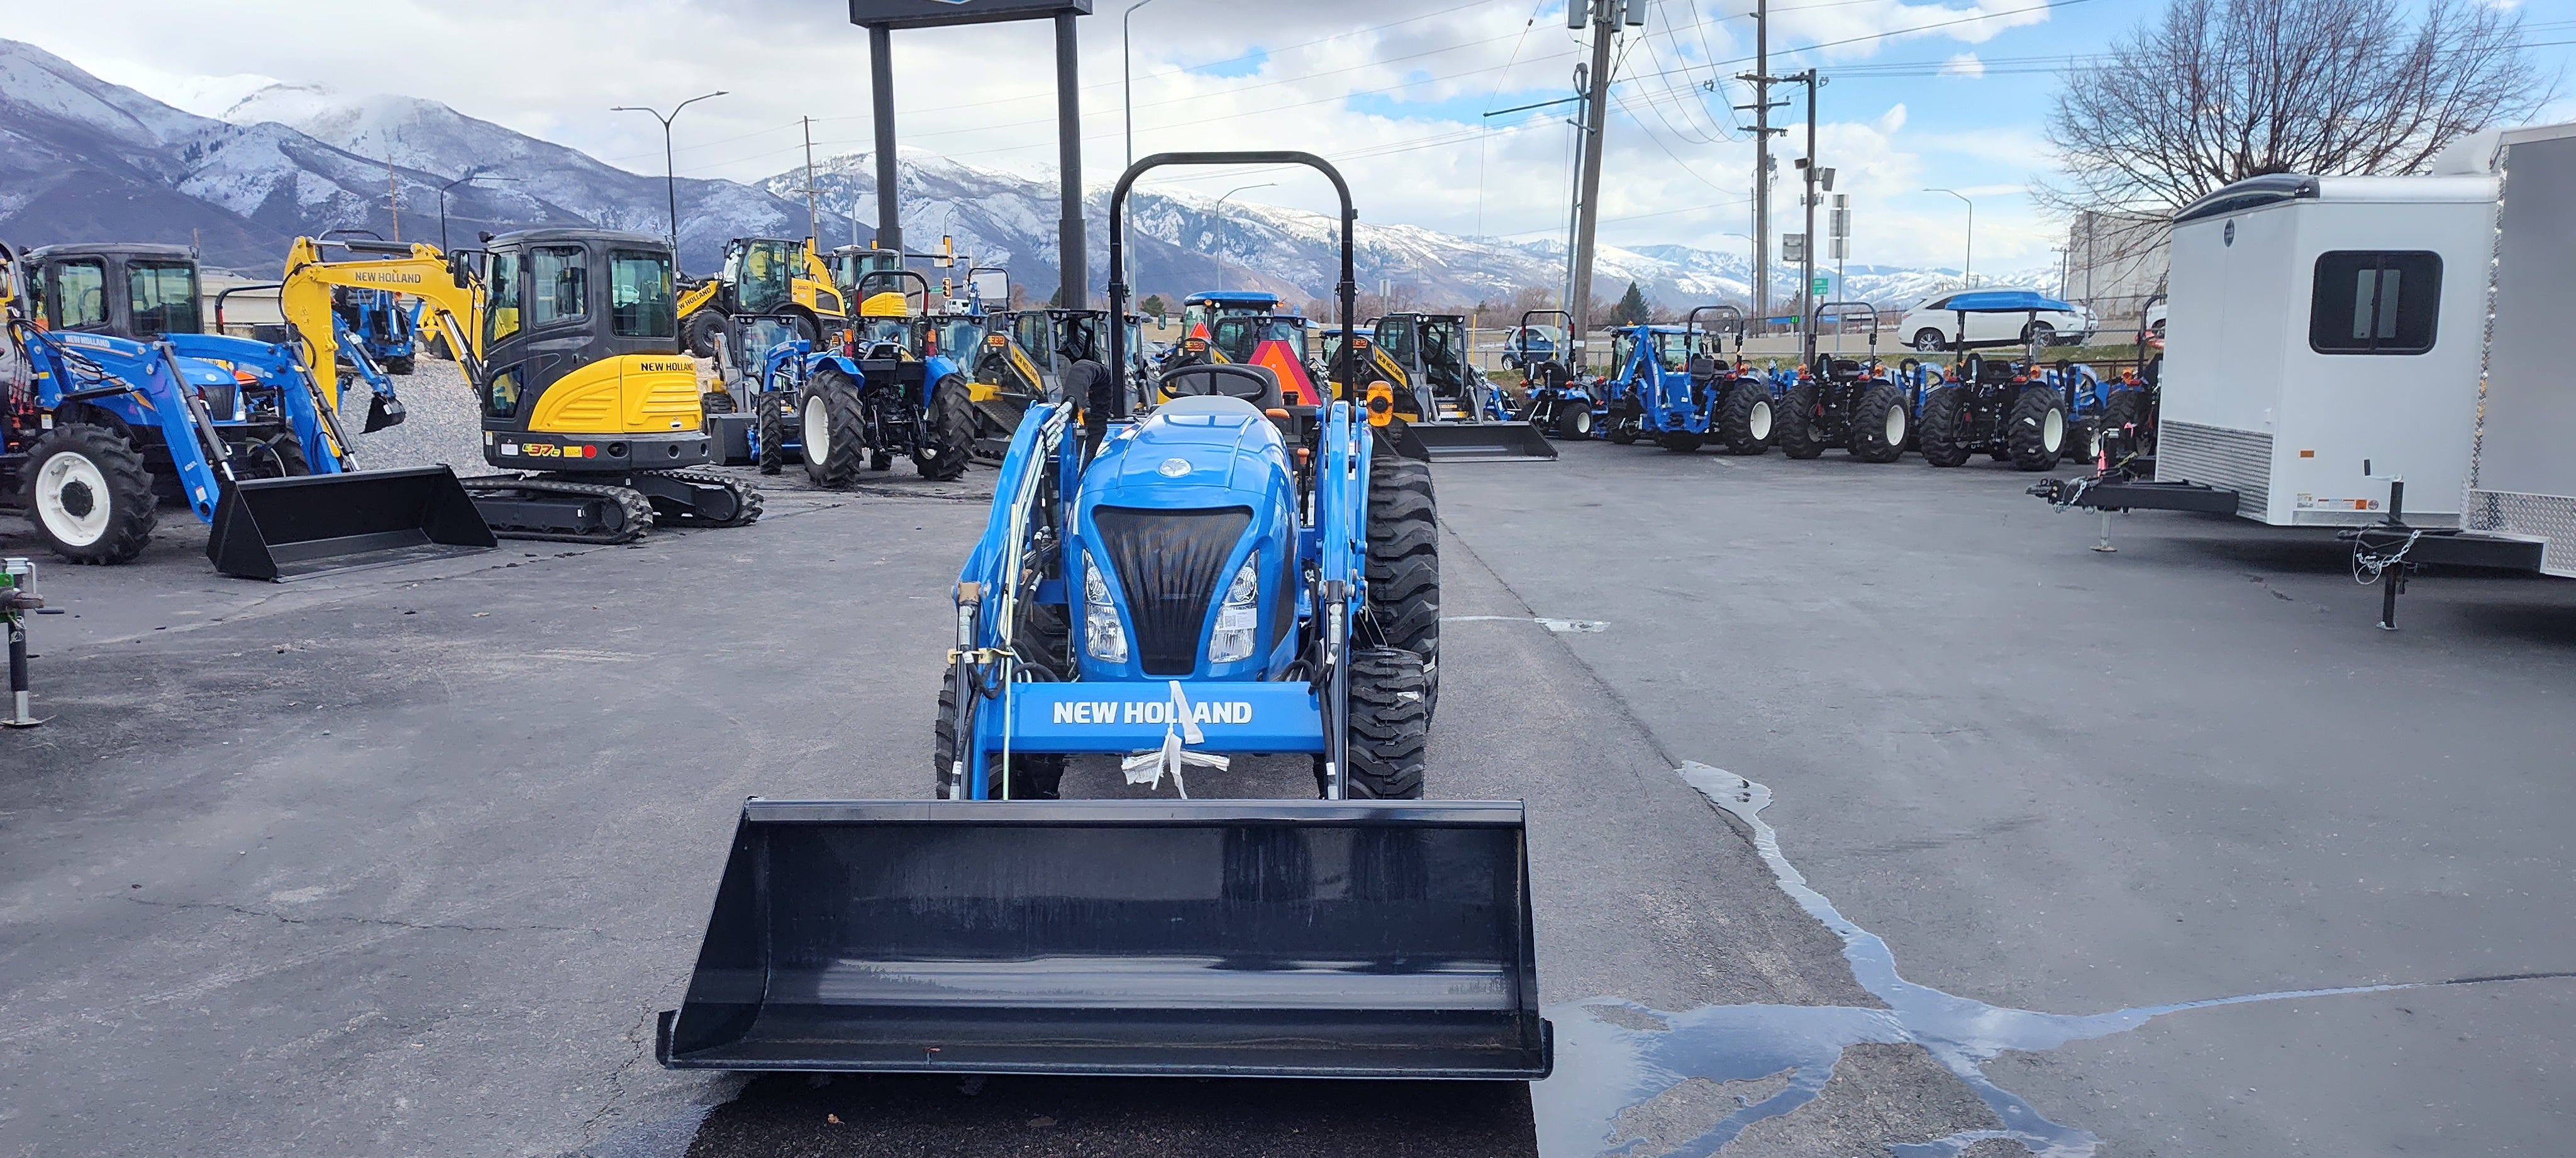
[1380, 939]
[294, 528]
[1479, 442]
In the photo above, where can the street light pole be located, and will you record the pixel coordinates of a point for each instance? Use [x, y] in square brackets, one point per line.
[1970, 259]
[670, 172]
[1127, 78]
[471, 175]
[1220, 204]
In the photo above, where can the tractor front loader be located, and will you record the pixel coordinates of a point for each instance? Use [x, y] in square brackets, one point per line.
[1169, 590]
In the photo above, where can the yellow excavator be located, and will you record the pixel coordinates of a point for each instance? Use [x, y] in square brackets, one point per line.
[762, 275]
[569, 340]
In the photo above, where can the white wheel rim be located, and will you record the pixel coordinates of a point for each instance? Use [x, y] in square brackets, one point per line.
[1896, 426]
[1758, 421]
[62, 472]
[1583, 422]
[2052, 430]
[817, 435]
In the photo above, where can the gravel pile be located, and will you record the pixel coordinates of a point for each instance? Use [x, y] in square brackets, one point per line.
[442, 425]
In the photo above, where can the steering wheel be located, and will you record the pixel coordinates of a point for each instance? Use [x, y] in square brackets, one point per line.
[1223, 378]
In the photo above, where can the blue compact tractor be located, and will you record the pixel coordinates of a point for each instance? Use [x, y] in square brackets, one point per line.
[2008, 410]
[1847, 402]
[1554, 398]
[1654, 394]
[891, 388]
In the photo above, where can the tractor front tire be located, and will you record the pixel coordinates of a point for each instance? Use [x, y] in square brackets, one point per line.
[1573, 419]
[2038, 429]
[1404, 564]
[770, 424]
[1799, 437]
[1746, 420]
[1880, 423]
[833, 430]
[1390, 724]
[951, 440]
[1938, 433]
[1031, 778]
[88, 495]
[698, 334]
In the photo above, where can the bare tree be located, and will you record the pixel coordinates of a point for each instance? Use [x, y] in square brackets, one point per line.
[2216, 91]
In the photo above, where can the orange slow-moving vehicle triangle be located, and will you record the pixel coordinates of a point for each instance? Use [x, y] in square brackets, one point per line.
[1293, 382]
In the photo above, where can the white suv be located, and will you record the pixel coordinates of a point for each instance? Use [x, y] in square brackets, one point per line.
[1931, 326]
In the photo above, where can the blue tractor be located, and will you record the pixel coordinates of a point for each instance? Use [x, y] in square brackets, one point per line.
[1747, 404]
[1852, 403]
[2006, 409]
[892, 387]
[1170, 591]
[122, 405]
[377, 322]
[1554, 398]
[1652, 394]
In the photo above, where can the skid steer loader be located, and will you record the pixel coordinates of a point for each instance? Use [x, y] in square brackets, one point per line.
[124, 404]
[1463, 416]
[1164, 588]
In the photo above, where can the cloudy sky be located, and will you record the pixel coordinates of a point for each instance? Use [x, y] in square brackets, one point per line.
[1921, 93]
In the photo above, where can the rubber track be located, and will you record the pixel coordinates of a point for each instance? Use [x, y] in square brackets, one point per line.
[636, 509]
[746, 499]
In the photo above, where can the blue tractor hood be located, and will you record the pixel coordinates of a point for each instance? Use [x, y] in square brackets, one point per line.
[1191, 452]
[2005, 302]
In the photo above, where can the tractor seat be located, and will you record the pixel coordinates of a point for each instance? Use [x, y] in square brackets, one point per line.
[1255, 386]
[1845, 368]
[1703, 366]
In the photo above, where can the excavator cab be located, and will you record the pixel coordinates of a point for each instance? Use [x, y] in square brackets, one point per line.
[136, 291]
[581, 364]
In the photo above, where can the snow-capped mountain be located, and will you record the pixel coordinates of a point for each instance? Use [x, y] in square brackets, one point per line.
[85, 160]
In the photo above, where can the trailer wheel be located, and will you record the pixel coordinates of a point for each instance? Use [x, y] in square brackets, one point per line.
[771, 425]
[1038, 777]
[1574, 419]
[833, 429]
[942, 456]
[1927, 340]
[1745, 418]
[1404, 564]
[1390, 724]
[88, 495]
[1938, 431]
[1880, 423]
[2038, 429]
[699, 333]
[1799, 435]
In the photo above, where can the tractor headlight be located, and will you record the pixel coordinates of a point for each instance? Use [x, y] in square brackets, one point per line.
[1237, 618]
[1103, 636]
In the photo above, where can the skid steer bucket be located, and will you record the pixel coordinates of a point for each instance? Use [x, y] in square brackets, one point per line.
[1477, 442]
[1380, 939]
[294, 528]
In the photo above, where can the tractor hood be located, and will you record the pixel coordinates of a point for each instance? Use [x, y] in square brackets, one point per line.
[1191, 452]
[203, 358]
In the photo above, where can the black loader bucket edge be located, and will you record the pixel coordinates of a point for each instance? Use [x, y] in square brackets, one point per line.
[296, 528]
[1242, 938]
[1481, 442]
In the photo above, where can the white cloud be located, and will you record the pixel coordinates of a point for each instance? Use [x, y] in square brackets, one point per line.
[1964, 64]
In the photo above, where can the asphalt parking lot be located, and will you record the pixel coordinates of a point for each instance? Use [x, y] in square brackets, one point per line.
[404, 861]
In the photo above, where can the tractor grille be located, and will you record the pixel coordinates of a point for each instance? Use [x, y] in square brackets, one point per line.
[1167, 563]
[2240, 460]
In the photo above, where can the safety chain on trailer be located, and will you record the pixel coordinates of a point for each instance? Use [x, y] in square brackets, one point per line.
[2370, 561]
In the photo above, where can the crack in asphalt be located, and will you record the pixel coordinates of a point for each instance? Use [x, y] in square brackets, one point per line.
[1622, 1054]
[386, 922]
[635, 1037]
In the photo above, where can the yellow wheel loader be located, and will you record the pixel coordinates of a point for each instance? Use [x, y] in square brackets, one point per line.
[763, 275]
[570, 344]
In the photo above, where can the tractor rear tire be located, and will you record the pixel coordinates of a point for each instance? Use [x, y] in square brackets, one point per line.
[1032, 777]
[2037, 427]
[2127, 408]
[88, 495]
[1880, 424]
[951, 432]
[770, 424]
[1390, 724]
[1404, 564]
[1938, 433]
[1623, 432]
[1746, 419]
[1678, 441]
[1796, 418]
[1573, 419]
[834, 429]
[698, 334]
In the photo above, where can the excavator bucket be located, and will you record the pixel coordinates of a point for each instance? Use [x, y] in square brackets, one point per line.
[1377, 939]
[1475, 442]
[295, 528]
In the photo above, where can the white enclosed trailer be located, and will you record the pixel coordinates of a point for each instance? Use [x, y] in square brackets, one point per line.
[2522, 470]
[2324, 336]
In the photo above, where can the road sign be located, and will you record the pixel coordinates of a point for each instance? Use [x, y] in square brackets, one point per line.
[1793, 247]
[1819, 288]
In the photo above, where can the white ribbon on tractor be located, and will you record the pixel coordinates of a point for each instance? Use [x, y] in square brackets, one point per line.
[1147, 767]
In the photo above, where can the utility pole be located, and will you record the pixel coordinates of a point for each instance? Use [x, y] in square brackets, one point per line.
[393, 191]
[1606, 17]
[1574, 193]
[1762, 131]
[1807, 272]
[813, 213]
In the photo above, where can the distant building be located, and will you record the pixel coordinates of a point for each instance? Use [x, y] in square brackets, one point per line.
[2114, 263]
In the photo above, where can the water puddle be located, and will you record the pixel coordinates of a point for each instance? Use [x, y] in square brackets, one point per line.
[1552, 623]
[1618, 1060]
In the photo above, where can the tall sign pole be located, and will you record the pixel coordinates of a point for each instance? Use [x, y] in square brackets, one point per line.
[1075, 290]
[1807, 272]
[1605, 26]
[881, 97]
[1761, 78]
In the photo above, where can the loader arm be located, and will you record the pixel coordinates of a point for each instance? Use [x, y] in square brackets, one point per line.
[455, 300]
